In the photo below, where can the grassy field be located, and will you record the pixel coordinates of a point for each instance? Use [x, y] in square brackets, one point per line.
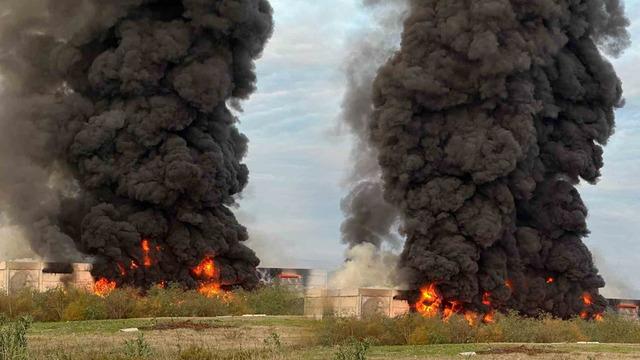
[273, 337]
[174, 323]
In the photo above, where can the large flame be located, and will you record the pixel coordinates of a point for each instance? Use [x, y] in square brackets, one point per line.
[471, 317]
[430, 301]
[209, 289]
[587, 300]
[453, 307]
[206, 271]
[103, 287]
[431, 304]
[146, 252]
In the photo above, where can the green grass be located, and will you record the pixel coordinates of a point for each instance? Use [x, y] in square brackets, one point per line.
[114, 326]
[125, 303]
[453, 350]
[230, 338]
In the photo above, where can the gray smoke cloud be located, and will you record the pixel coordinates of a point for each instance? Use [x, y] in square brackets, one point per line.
[485, 120]
[369, 219]
[114, 129]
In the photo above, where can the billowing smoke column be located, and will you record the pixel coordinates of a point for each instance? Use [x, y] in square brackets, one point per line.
[370, 225]
[485, 120]
[369, 218]
[116, 133]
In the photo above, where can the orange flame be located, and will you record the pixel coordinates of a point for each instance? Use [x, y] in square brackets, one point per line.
[430, 301]
[550, 280]
[599, 317]
[471, 317]
[207, 270]
[209, 289]
[584, 315]
[103, 287]
[146, 249]
[452, 308]
[133, 265]
[486, 298]
[488, 318]
[587, 299]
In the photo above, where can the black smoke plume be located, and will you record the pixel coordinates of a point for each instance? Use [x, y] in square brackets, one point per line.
[117, 139]
[485, 121]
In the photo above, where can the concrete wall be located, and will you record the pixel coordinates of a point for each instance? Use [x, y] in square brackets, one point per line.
[353, 303]
[18, 275]
[626, 307]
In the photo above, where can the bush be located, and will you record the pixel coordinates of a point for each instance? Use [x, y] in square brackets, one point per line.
[138, 348]
[413, 329]
[121, 303]
[69, 304]
[13, 339]
[353, 350]
[18, 304]
[275, 300]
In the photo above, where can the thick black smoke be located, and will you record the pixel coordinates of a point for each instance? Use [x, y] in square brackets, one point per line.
[116, 131]
[485, 121]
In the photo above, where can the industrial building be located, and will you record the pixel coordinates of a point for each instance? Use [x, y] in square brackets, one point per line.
[353, 303]
[42, 276]
[313, 283]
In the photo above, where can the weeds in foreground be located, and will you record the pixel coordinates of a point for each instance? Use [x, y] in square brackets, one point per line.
[353, 349]
[138, 348]
[13, 339]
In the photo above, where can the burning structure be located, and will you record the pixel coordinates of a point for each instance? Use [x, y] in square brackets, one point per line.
[116, 137]
[42, 276]
[484, 122]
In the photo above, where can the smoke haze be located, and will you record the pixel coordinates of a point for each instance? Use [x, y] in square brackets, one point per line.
[369, 218]
[116, 139]
[485, 120]
[366, 266]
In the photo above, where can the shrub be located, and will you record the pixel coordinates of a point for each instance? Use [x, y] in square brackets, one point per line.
[613, 328]
[18, 304]
[275, 300]
[13, 339]
[354, 349]
[121, 303]
[85, 307]
[413, 329]
[138, 348]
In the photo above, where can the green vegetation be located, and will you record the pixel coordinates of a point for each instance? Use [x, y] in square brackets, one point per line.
[178, 324]
[125, 303]
[353, 349]
[13, 339]
[416, 330]
[137, 348]
[289, 338]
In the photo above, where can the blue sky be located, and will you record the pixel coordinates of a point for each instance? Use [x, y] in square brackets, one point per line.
[298, 162]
